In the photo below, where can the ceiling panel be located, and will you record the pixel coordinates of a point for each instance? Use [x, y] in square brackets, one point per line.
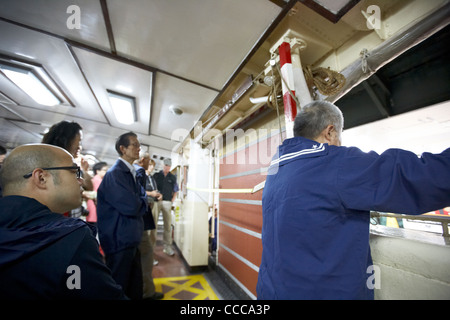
[190, 98]
[200, 40]
[51, 16]
[12, 135]
[54, 55]
[7, 111]
[104, 74]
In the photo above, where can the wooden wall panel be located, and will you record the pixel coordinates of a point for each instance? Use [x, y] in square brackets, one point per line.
[240, 214]
[243, 273]
[256, 156]
[243, 182]
[244, 244]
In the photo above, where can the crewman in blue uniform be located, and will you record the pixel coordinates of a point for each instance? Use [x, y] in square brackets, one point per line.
[316, 207]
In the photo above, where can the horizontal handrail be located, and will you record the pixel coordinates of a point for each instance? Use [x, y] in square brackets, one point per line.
[443, 220]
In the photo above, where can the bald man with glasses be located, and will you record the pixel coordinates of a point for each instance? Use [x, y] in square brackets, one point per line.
[44, 255]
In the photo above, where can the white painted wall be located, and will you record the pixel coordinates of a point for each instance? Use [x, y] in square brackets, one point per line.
[413, 264]
[191, 224]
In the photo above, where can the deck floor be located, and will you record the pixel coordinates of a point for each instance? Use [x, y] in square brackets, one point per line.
[174, 278]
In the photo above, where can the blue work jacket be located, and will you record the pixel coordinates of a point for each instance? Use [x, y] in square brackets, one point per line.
[316, 209]
[121, 204]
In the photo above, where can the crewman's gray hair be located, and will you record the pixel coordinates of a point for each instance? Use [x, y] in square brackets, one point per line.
[315, 117]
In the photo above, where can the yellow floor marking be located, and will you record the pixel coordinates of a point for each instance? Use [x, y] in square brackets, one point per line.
[206, 293]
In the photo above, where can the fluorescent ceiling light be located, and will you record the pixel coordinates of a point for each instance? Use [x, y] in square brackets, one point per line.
[123, 107]
[27, 81]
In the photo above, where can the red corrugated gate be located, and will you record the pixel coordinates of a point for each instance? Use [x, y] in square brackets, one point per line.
[240, 214]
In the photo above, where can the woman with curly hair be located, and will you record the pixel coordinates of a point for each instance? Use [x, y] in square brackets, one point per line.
[68, 135]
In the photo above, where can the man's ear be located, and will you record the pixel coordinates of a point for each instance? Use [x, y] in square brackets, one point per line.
[39, 178]
[327, 134]
[331, 129]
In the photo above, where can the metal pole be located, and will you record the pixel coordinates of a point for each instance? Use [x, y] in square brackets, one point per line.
[290, 107]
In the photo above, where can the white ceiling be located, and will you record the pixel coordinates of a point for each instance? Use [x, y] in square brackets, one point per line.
[165, 53]
[190, 54]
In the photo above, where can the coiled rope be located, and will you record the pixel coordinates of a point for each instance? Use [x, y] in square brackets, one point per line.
[326, 81]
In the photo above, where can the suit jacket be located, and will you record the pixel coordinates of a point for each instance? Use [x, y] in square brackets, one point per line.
[121, 204]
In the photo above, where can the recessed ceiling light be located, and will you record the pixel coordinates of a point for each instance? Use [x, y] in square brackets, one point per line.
[123, 106]
[27, 80]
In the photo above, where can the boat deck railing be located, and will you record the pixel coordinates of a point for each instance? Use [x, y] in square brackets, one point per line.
[441, 219]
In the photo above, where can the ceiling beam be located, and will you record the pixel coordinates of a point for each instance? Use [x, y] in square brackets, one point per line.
[280, 3]
[108, 25]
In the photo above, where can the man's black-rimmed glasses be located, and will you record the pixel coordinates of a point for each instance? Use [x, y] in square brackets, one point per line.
[26, 176]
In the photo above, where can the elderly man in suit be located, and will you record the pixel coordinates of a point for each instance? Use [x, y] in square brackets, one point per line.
[121, 205]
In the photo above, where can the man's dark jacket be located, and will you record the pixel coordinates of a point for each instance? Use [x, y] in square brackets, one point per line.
[37, 247]
[121, 205]
[142, 180]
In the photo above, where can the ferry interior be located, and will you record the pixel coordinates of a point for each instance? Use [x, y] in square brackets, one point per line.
[200, 82]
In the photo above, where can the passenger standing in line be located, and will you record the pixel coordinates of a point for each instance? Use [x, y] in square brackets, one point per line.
[146, 247]
[316, 207]
[154, 202]
[167, 185]
[121, 205]
[68, 135]
[44, 255]
[99, 170]
[2, 158]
